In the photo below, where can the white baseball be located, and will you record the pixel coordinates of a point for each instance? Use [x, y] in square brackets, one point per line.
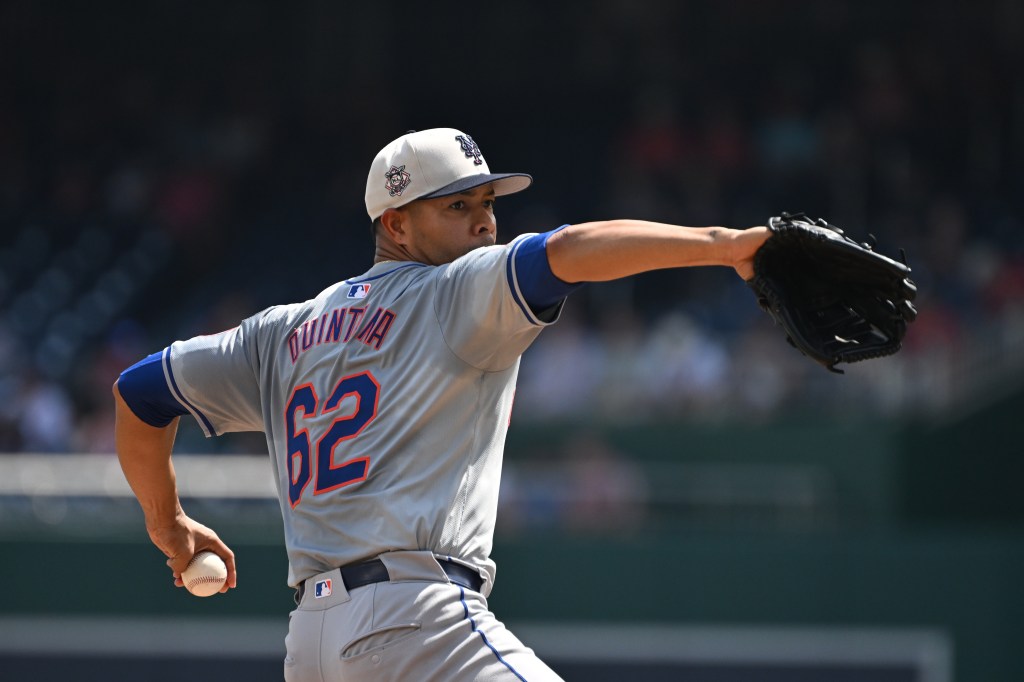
[205, 574]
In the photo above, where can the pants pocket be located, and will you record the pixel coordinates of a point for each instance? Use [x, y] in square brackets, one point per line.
[379, 638]
[301, 661]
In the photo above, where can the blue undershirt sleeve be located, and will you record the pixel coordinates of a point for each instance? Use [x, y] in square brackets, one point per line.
[144, 389]
[540, 287]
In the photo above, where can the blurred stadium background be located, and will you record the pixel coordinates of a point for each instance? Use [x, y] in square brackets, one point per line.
[685, 496]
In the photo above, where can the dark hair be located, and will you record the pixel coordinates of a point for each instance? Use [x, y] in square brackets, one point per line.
[374, 226]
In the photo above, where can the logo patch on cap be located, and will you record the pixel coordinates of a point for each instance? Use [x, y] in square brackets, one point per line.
[472, 150]
[396, 181]
[322, 588]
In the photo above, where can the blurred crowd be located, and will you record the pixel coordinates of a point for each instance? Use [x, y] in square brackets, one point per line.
[220, 169]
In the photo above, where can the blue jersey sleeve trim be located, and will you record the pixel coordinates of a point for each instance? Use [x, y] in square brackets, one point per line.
[540, 288]
[511, 276]
[145, 391]
[207, 426]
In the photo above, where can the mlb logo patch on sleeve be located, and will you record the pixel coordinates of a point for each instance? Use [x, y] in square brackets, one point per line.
[322, 588]
[358, 290]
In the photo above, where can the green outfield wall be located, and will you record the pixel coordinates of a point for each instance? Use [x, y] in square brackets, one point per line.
[909, 526]
[964, 584]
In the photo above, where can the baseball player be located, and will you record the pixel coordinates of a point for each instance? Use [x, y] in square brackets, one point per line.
[385, 402]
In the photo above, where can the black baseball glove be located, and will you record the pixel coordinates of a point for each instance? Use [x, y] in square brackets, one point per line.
[837, 300]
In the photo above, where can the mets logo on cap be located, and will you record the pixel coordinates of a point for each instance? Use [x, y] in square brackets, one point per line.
[397, 179]
[471, 149]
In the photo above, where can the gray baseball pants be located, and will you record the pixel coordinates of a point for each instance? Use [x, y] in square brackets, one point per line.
[419, 627]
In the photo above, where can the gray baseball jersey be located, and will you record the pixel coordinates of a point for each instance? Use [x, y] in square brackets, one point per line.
[385, 401]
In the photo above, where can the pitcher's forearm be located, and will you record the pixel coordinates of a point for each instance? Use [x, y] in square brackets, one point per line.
[144, 452]
[602, 251]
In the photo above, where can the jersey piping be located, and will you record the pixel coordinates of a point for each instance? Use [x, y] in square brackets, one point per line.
[172, 382]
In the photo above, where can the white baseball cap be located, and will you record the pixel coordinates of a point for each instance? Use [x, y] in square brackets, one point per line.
[428, 164]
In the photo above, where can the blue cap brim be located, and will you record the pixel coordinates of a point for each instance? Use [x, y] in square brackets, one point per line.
[504, 183]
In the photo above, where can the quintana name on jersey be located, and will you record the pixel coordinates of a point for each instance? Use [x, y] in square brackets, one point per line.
[340, 326]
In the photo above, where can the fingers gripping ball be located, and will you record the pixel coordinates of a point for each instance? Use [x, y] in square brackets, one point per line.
[205, 574]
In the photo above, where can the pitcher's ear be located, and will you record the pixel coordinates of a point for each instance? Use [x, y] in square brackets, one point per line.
[393, 225]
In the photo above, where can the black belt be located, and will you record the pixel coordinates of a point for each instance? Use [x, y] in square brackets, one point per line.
[374, 571]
